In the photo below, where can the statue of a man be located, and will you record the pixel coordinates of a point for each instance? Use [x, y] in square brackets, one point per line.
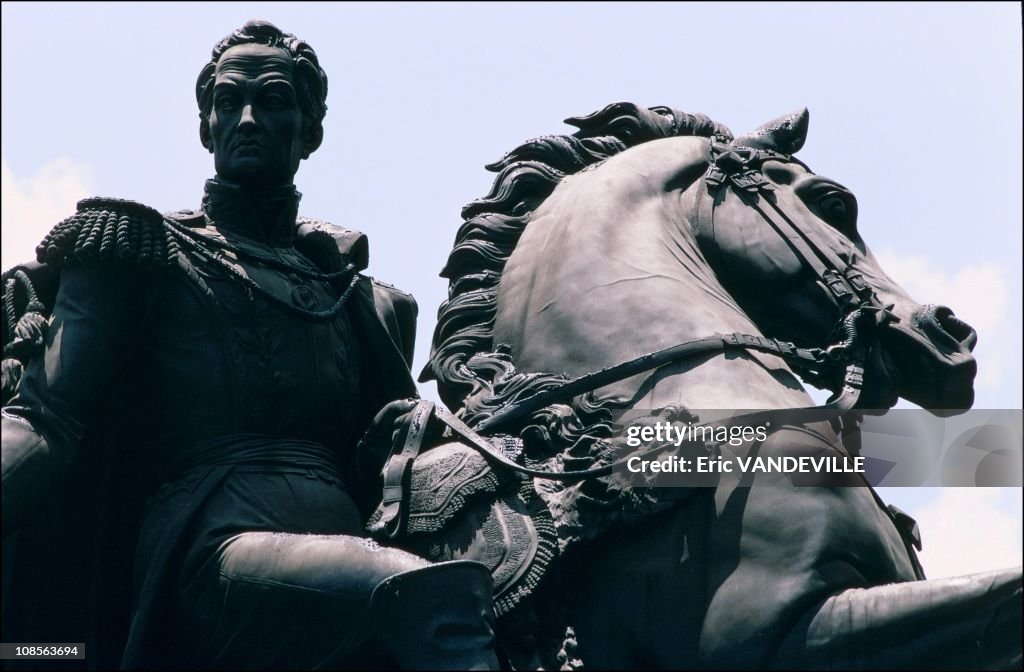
[234, 355]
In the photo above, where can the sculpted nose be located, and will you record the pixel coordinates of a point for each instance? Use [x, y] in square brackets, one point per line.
[940, 321]
[246, 118]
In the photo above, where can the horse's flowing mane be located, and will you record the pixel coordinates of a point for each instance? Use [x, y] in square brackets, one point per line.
[473, 373]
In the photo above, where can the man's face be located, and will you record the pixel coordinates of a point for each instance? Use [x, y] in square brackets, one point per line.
[255, 122]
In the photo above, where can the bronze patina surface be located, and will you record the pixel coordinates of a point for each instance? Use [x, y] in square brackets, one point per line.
[183, 483]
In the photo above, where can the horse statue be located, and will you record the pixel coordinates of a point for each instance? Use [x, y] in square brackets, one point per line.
[656, 231]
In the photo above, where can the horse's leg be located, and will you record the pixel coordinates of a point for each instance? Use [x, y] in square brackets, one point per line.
[967, 622]
[819, 577]
[769, 575]
[635, 598]
[778, 550]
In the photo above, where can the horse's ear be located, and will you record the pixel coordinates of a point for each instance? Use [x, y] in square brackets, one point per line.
[785, 134]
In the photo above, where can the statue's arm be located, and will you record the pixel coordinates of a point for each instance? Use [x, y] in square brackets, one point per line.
[63, 388]
[386, 321]
[397, 310]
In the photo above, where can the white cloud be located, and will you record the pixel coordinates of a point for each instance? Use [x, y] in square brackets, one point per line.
[977, 293]
[968, 530]
[31, 206]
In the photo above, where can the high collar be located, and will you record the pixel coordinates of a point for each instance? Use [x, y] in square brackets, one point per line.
[265, 214]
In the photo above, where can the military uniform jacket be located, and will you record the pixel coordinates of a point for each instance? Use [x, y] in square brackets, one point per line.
[163, 375]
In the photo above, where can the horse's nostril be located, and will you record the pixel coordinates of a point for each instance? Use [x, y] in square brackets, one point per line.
[955, 327]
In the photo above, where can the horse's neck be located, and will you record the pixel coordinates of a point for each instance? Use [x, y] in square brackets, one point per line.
[598, 279]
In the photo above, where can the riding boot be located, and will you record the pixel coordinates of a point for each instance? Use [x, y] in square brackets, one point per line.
[439, 617]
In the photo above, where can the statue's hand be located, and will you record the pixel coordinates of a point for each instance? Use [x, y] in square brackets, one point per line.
[391, 419]
[383, 432]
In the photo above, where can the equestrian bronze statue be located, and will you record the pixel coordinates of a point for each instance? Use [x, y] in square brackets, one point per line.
[654, 263]
[184, 394]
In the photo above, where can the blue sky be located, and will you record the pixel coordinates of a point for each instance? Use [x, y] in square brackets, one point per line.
[915, 107]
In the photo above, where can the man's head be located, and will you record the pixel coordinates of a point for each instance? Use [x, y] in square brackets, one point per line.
[261, 104]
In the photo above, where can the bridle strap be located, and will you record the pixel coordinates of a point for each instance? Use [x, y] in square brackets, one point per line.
[739, 169]
[845, 286]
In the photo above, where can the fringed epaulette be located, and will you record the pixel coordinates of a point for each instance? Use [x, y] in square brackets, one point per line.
[111, 229]
[24, 328]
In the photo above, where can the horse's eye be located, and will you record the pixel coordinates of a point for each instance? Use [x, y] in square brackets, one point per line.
[837, 210]
[833, 208]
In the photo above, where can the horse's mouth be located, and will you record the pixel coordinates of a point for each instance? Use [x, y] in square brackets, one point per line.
[932, 352]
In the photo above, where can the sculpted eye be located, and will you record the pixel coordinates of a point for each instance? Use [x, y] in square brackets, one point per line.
[833, 208]
[838, 209]
[277, 99]
[225, 101]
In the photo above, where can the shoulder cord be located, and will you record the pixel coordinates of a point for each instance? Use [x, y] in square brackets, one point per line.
[251, 287]
[245, 254]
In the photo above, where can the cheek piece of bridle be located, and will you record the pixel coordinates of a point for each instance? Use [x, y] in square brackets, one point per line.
[838, 366]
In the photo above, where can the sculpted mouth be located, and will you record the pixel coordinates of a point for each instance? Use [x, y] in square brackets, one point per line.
[933, 375]
[941, 320]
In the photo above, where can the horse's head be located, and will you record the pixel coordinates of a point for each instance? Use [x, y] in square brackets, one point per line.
[775, 233]
[655, 217]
